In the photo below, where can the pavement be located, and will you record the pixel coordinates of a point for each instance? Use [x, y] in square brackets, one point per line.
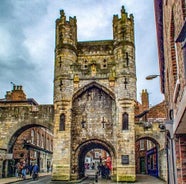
[141, 179]
[15, 179]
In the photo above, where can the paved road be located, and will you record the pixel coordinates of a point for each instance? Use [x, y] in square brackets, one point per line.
[141, 179]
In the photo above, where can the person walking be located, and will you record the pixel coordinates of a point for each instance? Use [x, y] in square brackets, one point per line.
[35, 171]
[17, 170]
[30, 167]
[23, 172]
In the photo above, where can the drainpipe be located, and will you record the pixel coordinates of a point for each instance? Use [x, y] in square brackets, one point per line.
[167, 153]
[173, 160]
[169, 127]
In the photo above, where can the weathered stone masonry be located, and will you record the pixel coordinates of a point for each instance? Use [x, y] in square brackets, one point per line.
[94, 85]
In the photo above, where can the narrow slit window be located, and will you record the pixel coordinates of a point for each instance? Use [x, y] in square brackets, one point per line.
[62, 123]
[127, 58]
[125, 123]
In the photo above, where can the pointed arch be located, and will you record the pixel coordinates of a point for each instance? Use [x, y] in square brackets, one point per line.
[91, 85]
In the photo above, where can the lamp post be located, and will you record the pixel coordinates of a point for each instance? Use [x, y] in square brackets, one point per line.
[150, 77]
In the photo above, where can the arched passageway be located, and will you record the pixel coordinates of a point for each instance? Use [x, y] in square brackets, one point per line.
[84, 148]
[147, 156]
[29, 145]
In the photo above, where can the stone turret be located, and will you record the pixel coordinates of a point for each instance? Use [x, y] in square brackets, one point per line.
[66, 31]
[124, 51]
[65, 52]
[123, 28]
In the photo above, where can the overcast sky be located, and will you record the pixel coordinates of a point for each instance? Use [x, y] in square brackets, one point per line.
[27, 37]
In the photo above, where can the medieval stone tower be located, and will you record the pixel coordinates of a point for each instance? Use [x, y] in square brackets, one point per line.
[94, 97]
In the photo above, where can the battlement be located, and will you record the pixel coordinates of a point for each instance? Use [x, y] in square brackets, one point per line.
[124, 16]
[63, 20]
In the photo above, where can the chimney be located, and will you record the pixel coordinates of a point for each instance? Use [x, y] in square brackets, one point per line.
[17, 93]
[145, 99]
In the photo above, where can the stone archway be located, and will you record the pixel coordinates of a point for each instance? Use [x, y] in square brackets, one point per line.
[19, 132]
[147, 156]
[154, 134]
[84, 148]
[93, 116]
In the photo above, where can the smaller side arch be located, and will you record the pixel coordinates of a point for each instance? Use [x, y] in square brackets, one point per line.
[19, 131]
[149, 138]
[148, 156]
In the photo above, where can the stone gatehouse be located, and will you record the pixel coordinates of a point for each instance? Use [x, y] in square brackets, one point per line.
[94, 99]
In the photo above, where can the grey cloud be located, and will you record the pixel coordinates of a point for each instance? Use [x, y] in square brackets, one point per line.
[27, 26]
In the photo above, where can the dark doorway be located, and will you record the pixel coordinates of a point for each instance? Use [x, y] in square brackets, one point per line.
[142, 165]
[93, 145]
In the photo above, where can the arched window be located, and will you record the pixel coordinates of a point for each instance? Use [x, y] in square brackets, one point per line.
[62, 123]
[42, 141]
[32, 136]
[37, 138]
[125, 121]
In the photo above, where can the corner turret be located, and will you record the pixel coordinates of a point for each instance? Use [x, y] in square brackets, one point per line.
[65, 51]
[66, 31]
[124, 51]
[123, 28]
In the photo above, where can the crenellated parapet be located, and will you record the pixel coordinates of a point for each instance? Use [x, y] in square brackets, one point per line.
[66, 31]
[123, 28]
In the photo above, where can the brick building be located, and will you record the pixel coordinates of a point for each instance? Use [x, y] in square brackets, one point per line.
[34, 145]
[171, 36]
[147, 151]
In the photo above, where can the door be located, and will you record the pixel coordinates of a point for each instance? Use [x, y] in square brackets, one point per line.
[142, 165]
